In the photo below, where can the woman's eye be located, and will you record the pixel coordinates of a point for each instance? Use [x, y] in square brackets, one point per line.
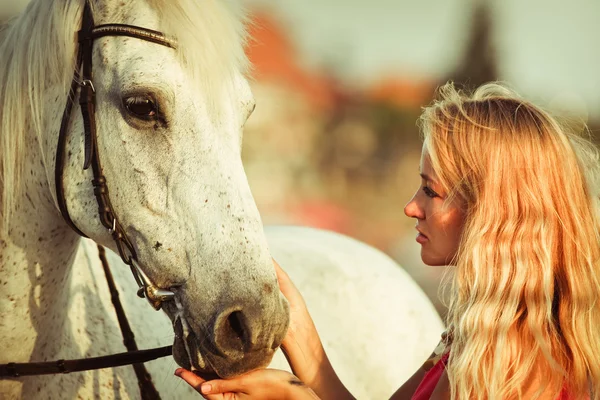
[428, 192]
[142, 107]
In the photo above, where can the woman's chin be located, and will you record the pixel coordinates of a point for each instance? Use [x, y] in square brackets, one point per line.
[432, 261]
[437, 259]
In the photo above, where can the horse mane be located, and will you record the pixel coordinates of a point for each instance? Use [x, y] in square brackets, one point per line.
[38, 52]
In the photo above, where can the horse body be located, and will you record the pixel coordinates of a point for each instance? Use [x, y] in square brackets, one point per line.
[178, 187]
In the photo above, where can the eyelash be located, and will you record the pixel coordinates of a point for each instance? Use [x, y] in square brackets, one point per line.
[429, 193]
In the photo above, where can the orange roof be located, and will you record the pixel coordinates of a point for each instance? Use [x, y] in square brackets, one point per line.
[275, 59]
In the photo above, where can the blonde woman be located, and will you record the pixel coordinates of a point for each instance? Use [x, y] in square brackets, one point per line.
[510, 198]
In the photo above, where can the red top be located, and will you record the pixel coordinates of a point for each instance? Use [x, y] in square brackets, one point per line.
[432, 377]
[430, 380]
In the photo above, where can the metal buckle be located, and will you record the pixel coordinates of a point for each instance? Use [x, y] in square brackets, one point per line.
[155, 296]
[114, 227]
[88, 82]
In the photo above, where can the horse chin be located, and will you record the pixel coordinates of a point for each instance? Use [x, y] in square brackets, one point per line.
[191, 362]
[180, 355]
[226, 368]
[207, 376]
[185, 350]
[187, 354]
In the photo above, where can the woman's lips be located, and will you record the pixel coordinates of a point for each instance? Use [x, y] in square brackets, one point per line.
[421, 238]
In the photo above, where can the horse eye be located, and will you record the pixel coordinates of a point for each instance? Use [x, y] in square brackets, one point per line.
[142, 107]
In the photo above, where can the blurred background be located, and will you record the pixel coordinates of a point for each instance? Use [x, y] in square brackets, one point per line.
[339, 85]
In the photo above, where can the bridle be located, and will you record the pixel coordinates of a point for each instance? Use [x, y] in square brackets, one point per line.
[82, 79]
[87, 97]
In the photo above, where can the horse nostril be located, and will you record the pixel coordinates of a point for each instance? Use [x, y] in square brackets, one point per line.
[232, 334]
[236, 324]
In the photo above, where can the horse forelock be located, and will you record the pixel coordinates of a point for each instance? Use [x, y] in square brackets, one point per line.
[209, 31]
[211, 37]
[38, 49]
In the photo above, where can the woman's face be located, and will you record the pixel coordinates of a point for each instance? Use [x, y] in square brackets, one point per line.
[439, 225]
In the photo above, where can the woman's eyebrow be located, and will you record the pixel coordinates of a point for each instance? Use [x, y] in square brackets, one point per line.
[426, 177]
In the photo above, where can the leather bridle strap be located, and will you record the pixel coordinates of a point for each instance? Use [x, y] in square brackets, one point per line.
[15, 370]
[87, 96]
[147, 389]
[133, 356]
[86, 36]
[148, 35]
[62, 139]
[82, 77]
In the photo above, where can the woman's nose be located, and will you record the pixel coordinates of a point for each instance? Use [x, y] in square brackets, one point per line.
[412, 209]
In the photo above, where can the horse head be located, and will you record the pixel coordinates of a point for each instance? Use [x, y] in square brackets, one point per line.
[169, 125]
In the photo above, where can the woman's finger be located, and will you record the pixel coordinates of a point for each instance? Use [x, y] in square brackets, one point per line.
[196, 382]
[286, 285]
[282, 276]
[216, 386]
[192, 379]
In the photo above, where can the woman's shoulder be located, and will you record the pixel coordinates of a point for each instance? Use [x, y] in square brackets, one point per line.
[441, 352]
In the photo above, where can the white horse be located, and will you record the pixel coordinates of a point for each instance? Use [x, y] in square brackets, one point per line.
[169, 125]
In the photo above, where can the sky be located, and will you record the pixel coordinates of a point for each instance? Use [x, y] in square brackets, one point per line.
[549, 50]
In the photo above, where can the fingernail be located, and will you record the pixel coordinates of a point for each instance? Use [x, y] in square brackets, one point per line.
[178, 372]
[205, 388]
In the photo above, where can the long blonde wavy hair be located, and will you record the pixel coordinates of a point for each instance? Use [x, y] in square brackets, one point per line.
[526, 287]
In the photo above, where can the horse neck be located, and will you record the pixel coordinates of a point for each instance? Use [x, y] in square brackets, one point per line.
[36, 256]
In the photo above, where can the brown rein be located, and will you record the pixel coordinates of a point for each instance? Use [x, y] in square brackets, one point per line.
[133, 356]
[16, 370]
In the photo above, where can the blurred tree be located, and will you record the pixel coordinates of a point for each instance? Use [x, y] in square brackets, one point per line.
[365, 139]
[479, 62]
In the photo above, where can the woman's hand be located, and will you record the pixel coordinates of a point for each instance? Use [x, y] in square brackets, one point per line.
[301, 328]
[263, 384]
[304, 352]
[303, 348]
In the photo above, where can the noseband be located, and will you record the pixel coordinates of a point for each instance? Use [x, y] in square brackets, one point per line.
[87, 102]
